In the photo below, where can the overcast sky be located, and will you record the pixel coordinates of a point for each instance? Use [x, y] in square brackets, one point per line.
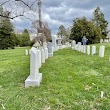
[62, 12]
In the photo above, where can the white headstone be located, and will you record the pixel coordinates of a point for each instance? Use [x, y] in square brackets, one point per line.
[73, 44]
[84, 48]
[93, 50]
[59, 43]
[101, 40]
[50, 49]
[79, 46]
[88, 50]
[46, 53]
[42, 56]
[54, 44]
[26, 51]
[76, 47]
[101, 51]
[35, 77]
[39, 58]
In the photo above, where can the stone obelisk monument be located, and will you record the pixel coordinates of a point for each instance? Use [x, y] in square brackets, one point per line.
[40, 24]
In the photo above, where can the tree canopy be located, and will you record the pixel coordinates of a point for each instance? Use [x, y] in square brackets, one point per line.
[99, 21]
[25, 38]
[6, 30]
[93, 29]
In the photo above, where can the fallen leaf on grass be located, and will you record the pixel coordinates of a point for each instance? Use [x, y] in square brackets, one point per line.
[47, 108]
[87, 88]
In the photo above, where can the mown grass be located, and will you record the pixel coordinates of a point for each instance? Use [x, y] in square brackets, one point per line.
[71, 81]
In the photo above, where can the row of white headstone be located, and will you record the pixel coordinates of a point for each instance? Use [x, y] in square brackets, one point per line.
[38, 57]
[104, 40]
[86, 49]
[59, 45]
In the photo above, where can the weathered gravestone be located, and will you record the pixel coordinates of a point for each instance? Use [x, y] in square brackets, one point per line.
[93, 50]
[101, 51]
[35, 77]
[50, 49]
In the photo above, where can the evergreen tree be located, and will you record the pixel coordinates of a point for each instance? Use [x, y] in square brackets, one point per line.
[61, 31]
[83, 27]
[99, 21]
[25, 38]
[6, 30]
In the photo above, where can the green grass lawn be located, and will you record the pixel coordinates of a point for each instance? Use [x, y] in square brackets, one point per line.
[71, 81]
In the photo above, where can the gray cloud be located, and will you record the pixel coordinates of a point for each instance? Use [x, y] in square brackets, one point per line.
[62, 12]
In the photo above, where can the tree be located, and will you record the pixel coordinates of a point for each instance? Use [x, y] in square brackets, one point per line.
[81, 27]
[17, 8]
[17, 39]
[61, 31]
[26, 9]
[25, 38]
[6, 30]
[68, 33]
[45, 31]
[99, 21]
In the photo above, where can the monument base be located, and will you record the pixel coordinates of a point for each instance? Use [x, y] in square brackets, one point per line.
[33, 82]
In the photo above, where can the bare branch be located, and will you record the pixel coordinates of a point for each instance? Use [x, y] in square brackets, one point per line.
[29, 6]
[4, 2]
[14, 10]
[33, 3]
[11, 17]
